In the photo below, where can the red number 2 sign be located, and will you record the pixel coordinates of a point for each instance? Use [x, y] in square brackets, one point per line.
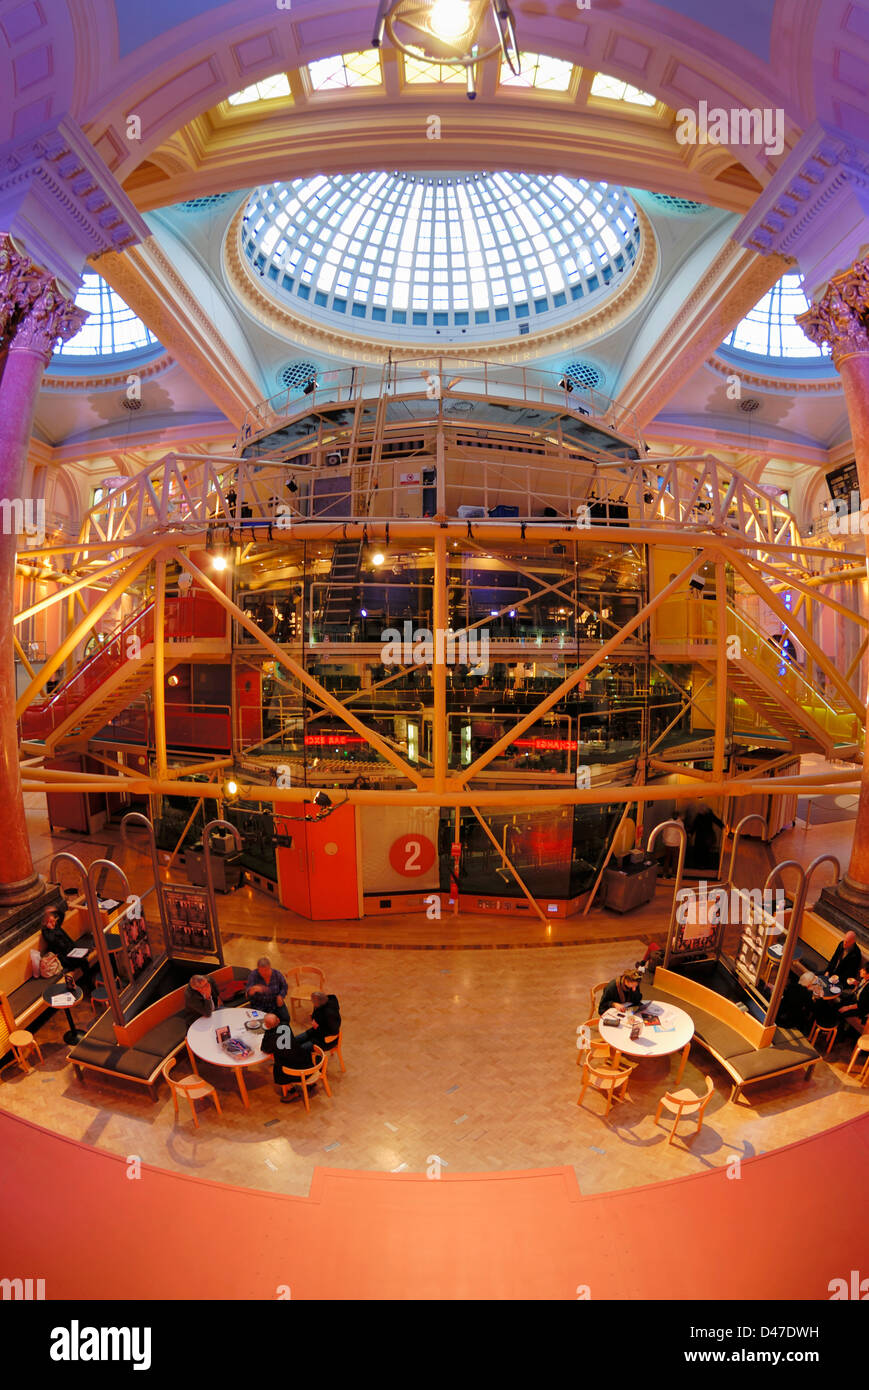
[412, 855]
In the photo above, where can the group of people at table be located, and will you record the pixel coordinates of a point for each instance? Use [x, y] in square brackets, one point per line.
[266, 990]
[830, 999]
[842, 992]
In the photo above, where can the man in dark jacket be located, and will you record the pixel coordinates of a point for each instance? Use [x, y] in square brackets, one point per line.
[200, 997]
[325, 1022]
[278, 1042]
[845, 962]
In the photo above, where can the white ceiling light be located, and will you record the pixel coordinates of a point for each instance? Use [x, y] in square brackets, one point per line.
[458, 33]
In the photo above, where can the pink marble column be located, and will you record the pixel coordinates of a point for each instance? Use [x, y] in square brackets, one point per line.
[34, 315]
[841, 319]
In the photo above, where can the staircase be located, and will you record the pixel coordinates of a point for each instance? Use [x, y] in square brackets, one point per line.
[343, 576]
[122, 669]
[774, 700]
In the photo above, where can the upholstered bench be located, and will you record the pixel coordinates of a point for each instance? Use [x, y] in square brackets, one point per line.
[746, 1050]
[149, 1039]
[24, 993]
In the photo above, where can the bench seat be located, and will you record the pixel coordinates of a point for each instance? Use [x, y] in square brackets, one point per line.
[788, 1051]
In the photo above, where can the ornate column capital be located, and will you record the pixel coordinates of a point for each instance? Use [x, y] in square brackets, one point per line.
[840, 317]
[49, 319]
[20, 283]
[34, 311]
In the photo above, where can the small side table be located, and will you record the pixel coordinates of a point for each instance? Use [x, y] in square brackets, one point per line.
[74, 1035]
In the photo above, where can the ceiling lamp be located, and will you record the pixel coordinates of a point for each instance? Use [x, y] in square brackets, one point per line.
[461, 33]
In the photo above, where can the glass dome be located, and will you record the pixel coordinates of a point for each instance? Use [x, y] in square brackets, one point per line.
[440, 251]
[770, 328]
[112, 329]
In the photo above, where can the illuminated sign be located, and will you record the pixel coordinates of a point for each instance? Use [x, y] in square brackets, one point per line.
[547, 745]
[331, 740]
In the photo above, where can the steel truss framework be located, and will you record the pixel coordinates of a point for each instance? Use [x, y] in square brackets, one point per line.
[575, 457]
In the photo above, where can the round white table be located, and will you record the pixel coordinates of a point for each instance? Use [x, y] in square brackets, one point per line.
[673, 1031]
[202, 1042]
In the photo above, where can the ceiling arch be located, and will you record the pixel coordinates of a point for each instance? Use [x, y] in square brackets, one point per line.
[172, 79]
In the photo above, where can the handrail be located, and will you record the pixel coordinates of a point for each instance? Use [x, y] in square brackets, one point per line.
[788, 672]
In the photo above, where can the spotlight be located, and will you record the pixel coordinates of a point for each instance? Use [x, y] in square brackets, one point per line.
[566, 384]
[363, 612]
[218, 563]
[378, 557]
[321, 799]
[231, 788]
[310, 387]
[172, 680]
[292, 485]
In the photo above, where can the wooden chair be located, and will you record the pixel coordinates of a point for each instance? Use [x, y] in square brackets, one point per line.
[191, 1087]
[299, 995]
[335, 1038]
[308, 1076]
[593, 993]
[685, 1103]
[610, 1081]
[860, 1047]
[595, 1048]
[823, 1035]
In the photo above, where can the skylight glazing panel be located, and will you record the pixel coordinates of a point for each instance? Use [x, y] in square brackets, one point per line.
[112, 327]
[770, 328]
[443, 243]
[268, 90]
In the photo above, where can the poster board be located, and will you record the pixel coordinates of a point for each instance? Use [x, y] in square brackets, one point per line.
[189, 925]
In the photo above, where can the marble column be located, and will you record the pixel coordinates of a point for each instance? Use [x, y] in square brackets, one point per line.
[840, 318]
[34, 316]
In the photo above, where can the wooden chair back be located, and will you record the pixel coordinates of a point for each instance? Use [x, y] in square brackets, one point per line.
[302, 1076]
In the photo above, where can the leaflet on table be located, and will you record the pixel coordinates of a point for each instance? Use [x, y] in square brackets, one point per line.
[236, 1048]
[78, 952]
[62, 1001]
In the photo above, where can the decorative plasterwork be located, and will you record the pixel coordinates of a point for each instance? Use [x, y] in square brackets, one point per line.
[58, 198]
[732, 285]
[805, 189]
[841, 316]
[148, 282]
[572, 333]
[96, 380]
[770, 381]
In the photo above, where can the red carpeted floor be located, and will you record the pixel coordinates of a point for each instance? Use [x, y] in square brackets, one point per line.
[793, 1220]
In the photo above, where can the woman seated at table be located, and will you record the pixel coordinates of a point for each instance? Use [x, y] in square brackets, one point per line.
[61, 943]
[623, 990]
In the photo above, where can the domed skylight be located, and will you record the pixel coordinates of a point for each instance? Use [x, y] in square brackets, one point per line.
[770, 330]
[440, 251]
[112, 328]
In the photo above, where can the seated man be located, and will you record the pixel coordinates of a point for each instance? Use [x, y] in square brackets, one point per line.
[844, 964]
[278, 1042]
[267, 989]
[623, 990]
[325, 1022]
[855, 1004]
[200, 997]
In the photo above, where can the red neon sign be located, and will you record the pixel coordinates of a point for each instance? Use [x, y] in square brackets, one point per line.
[331, 740]
[547, 745]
